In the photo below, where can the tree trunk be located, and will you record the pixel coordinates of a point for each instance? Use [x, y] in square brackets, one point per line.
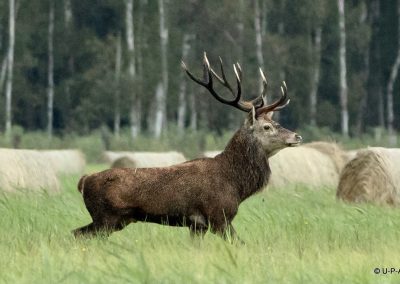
[117, 111]
[1, 33]
[364, 19]
[139, 55]
[193, 112]
[182, 88]
[343, 70]
[264, 22]
[162, 90]
[50, 77]
[390, 86]
[130, 40]
[240, 28]
[3, 72]
[10, 66]
[130, 37]
[67, 14]
[68, 37]
[316, 53]
[259, 51]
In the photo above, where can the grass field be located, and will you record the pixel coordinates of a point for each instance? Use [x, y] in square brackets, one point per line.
[292, 236]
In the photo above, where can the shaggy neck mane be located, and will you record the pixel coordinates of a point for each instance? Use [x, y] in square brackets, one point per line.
[246, 163]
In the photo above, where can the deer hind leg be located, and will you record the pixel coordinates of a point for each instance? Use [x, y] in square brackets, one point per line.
[104, 227]
[87, 230]
[225, 230]
[198, 225]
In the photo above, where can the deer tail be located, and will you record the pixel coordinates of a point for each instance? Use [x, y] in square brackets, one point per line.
[81, 184]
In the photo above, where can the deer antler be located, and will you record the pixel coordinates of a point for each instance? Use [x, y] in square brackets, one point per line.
[279, 104]
[259, 103]
[207, 82]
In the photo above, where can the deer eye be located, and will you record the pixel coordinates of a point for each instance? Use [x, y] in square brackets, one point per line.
[267, 127]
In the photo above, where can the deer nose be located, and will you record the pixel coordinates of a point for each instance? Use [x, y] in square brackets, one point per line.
[298, 137]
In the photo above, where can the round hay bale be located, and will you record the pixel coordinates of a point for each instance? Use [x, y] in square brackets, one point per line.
[66, 162]
[372, 176]
[148, 159]
[302, 166]
[350, 155]
[26, 170]
[332, 150]
[123, 162]
[211, 154]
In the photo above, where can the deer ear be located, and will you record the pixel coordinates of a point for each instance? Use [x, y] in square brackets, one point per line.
[270, 114]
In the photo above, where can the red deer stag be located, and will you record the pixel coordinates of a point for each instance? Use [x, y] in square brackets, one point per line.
[201, 194]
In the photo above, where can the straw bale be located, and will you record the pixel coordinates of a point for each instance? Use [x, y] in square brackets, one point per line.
[302, 166]
[211, 154]
[123, 162]
[372, 176]
[351, 154]
[66, 162]
[26, 170]
[148, 159]
[332, 150]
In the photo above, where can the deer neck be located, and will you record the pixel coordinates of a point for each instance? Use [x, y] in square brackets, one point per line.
[246, 163]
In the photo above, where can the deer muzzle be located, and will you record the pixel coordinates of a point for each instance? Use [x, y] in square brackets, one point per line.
[294, 140]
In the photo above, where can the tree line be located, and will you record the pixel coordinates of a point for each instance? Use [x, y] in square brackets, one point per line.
[80, 65]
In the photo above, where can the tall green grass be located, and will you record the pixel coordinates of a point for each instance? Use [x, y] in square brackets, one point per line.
[293, 235]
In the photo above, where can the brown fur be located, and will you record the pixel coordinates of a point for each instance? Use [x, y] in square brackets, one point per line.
[81, 183]
[201, 194]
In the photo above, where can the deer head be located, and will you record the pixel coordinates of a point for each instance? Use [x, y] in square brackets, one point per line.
[272, 136]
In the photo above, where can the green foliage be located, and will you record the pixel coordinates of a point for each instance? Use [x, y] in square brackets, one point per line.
[292, 236]
[85, 55]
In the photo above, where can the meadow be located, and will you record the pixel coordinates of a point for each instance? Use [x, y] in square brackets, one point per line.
[291, 235]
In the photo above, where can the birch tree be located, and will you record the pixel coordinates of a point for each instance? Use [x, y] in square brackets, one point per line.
[10, 62]
[130, 40]
[343, 69]
[240, 27]
[3, 69]
[162, 90]
[364, 19]
[50, 75]
[316, 58]
[68, 17]
[193, 112]
[139, 55]
[182, 104]
[117, 111]
[259, 50]
[3, 72]
[390, 86]
[67, 14]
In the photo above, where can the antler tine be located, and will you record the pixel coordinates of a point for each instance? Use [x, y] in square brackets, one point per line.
[265, 85]
[284, 93]
[240, 70]
[238, 73]
[259, 103]
[192, 76]
[278, 104]
[261, 100]
[208, 84]
[222, 80]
